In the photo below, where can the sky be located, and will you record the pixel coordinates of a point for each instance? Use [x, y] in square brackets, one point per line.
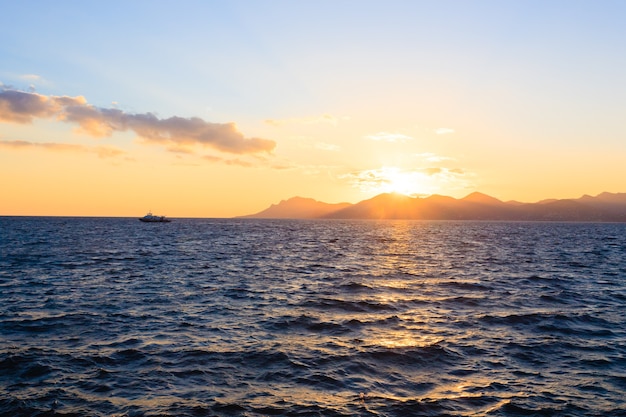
[222, 108]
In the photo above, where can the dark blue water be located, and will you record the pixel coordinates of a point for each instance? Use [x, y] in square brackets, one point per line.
[102, 317]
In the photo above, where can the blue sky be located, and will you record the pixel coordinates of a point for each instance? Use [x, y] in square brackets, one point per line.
[147, 52]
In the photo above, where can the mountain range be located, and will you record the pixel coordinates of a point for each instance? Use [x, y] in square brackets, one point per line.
[605, 207]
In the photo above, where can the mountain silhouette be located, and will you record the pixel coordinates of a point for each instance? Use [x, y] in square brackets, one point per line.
[481, 198]
[298, 208]
[605, 207]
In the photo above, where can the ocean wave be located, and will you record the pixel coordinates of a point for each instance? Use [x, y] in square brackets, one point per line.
[348, 305]
[287, 318]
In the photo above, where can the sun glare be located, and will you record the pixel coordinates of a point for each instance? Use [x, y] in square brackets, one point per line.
[411, 183]
[400, 182]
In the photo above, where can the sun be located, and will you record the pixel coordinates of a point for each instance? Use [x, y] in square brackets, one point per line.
[418, 182]
[399, 182]
[395, 180]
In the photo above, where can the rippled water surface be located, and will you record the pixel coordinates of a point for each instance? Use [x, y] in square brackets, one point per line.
[103, 317]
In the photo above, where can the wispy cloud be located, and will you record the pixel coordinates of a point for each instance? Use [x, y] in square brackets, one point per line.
[366, 180]
[33, 79]
[229, 161]
[443, 131]
[389, 137]
[323, 119]
[178, 149]
[23, 107]
[101, 151]
[323, 146]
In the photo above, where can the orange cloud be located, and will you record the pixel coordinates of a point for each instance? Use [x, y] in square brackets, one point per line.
[101, 151]
[236, 162]
[23, 107]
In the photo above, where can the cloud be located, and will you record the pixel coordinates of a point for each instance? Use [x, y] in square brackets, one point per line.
[323, 146]
[443, 131]
[367, 179]
[101, 151]
[31, 78]
[239, 162]
[180, 149]
[23, 107]
[431, 157]
[389, 137]
[226, 161]
[323, 119]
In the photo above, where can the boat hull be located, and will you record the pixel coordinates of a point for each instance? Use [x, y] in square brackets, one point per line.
[151, 218]
[154, 221]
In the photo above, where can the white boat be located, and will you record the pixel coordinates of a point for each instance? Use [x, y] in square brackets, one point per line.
[150, 218]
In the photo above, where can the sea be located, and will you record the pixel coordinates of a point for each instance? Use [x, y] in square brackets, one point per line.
[249, 317]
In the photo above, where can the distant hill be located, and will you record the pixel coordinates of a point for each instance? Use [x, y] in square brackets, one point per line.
[383, 206]
[298, 208]
[605, 207]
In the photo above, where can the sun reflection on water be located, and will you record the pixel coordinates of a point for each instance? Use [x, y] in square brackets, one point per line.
[401, 340]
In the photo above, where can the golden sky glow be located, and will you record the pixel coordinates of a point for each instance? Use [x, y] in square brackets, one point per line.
[218, 109]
